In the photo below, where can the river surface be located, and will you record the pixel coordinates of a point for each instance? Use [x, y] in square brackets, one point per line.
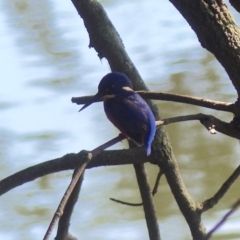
[45, 60]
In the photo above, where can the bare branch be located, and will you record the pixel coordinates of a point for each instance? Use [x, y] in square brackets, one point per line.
[211, 21]
[201, 102]
[59, 212]
[126, 203]
[108, 144]
[211, 202]
[75, 179]
[64, 221]
[148, 206]
[211, 123]
[223, 220]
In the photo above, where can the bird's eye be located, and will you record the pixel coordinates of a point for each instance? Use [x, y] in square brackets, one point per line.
[109, 88]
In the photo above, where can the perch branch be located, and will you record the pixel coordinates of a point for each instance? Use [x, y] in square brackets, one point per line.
[201, 102]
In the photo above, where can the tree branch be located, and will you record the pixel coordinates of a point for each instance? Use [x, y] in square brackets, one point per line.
[211, 202]
[148, 206]
[75, 180]
[211, 21]
[72, 161]
[201, 102]
[211, 123]
[61, 207]
[64, 221]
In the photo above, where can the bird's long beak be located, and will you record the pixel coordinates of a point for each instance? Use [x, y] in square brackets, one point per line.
[95, 98]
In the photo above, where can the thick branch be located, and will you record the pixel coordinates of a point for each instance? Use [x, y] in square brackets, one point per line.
[70, 162]
[216, 31]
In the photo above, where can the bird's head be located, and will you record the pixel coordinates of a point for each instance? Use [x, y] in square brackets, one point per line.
[111, 84]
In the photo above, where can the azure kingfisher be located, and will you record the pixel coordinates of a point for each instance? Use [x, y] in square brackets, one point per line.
[126, 109]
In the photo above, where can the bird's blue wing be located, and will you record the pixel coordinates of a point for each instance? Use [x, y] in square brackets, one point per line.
[132, 116]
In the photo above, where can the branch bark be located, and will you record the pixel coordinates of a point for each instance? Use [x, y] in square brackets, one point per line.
[216, 105]
[216, 31]
[148, 205]
[64, 221]
[61, 207]
[72, 161]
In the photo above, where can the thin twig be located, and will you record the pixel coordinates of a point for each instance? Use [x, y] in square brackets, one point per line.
[154, 191]
[108, 144]
[126, 203]
[211, 202]
[77, 174]
[156, 185]
[224, 219]
[64, 221]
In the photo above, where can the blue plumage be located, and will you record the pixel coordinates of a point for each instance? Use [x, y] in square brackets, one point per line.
[126, 109]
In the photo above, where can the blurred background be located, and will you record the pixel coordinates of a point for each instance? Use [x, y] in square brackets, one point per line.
[45, 60]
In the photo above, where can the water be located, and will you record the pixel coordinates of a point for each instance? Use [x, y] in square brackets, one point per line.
[45, 61]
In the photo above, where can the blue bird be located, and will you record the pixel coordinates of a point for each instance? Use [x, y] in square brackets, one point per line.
[126, 109]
